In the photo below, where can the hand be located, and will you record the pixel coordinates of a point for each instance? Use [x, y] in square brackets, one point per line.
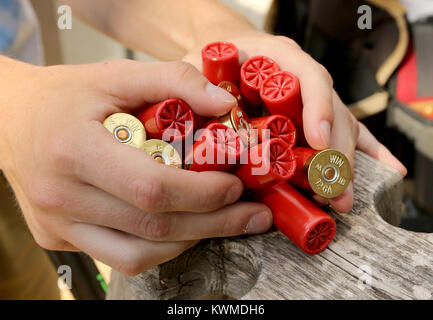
[80, 189]
[328, 123]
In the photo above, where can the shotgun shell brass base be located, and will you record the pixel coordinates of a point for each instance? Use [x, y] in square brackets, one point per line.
[329, 173]
[126, 129]
[162, 152]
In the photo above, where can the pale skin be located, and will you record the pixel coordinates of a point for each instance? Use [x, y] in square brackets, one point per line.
[79, 189]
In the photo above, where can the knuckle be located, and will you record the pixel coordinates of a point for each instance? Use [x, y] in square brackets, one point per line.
[356, 128]
[206, 197]
[212, 197]
[62, 154]
[148, 194]
[155, 226]
[324, 72]
[50, 243]
[47, 196]
[227, 227]
[289, 42]
[184, 70]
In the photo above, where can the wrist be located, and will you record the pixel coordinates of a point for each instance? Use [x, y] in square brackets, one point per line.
[13, 74]
[214, 21]
[11, 68]
[223, 31]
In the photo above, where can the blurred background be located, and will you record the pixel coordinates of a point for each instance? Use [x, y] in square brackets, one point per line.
[402, 129]
[83, 44]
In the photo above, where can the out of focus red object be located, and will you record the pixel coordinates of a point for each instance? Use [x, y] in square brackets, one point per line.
[407, 85]
[221, 62]
[309, 227]
[253, 72]
[170, 120]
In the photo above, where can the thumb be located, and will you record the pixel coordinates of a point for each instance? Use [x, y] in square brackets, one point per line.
[136, 83]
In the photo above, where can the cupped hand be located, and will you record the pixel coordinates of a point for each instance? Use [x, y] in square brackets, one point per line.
[328, 123]
[80, 189]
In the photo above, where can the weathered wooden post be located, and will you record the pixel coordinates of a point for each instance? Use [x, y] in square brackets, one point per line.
[370, 258]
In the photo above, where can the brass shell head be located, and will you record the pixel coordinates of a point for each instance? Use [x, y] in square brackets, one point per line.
[162, 152]
[126, 129]
[329, 173]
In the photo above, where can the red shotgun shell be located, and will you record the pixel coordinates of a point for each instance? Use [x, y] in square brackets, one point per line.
[217, 149]
[238, 120]
[327, 172]
[281, 93]
[171, 120]
[279, 126]
[253, 72]
[309, 227]
[201, 121]
[268, 163]
[220, 62]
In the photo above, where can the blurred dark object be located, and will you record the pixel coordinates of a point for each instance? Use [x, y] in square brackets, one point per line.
[87, 282]
[423, 194]
[410, 111]
[361, 61]
[415, 219]
[393, 139]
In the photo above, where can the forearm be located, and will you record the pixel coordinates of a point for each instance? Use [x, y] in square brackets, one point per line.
[165, 29]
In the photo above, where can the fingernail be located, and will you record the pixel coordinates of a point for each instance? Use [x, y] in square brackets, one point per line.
[233, 194]
[220, 94]
[325, 132]
[259, 223]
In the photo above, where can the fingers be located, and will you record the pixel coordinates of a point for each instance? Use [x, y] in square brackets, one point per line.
[125, 253]
[316, 83]
[345, 131]
[368, 143]
[136, 83]
[316, 88]
[344, 136]
[131, 175]
[98, 207]
[318, 114]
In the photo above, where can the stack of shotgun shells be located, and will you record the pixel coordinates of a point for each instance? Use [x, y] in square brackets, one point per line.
[261, 141]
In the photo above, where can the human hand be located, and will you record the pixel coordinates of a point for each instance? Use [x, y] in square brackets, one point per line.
[80, 189]
[328, 123]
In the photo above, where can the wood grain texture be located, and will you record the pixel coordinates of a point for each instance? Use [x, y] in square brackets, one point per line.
[369, 258]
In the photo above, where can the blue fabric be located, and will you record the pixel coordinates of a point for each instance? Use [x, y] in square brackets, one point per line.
[10, 16]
